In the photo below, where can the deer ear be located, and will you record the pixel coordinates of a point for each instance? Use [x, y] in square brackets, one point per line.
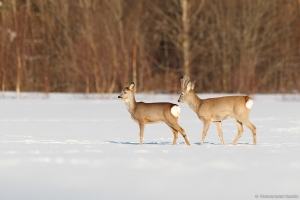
[193, 85]
[189, 86]
[131, 86]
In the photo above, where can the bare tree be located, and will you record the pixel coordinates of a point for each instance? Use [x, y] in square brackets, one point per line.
[115, 58]
[97, 46]
[117, 9]
[179, 23]
[87, 32]
[3, 46]
[19, 20]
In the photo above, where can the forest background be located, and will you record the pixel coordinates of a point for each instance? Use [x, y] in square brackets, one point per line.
[97, 46]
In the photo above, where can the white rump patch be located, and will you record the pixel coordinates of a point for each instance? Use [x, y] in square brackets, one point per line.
[249, 103]
[175, 110]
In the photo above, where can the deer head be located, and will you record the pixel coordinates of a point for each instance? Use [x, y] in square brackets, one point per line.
[186, 87]
[127, 93]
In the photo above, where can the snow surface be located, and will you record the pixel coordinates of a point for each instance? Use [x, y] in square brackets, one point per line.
[69, 147]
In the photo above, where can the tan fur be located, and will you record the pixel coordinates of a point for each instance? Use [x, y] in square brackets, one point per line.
[217, 109]
[145, 113]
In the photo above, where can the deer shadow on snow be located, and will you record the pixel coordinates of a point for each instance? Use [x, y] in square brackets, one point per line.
[170, 143]
[144, 143]
[219, 144]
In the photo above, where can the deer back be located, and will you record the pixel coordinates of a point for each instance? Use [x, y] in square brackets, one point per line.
[223, 107]
[153, 112]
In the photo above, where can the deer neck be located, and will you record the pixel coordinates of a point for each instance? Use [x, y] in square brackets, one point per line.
[131, 104]
[194, 101]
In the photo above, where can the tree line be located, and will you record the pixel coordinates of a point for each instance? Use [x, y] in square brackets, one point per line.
[97, 46]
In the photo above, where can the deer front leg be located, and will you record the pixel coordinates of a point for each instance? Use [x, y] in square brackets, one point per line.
[219, 127]
[205, 129]
[142, 127]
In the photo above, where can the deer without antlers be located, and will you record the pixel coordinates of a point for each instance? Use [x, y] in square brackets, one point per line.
[144, 113]
[217, 109]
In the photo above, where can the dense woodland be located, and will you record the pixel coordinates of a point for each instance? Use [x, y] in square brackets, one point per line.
[97, 46]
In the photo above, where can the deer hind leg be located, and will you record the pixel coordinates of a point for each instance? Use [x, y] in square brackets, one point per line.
[205, 129]
[219, 127]
[252, 128]
[175, 126]
[175, 132]
[240, 131]
[142, 128]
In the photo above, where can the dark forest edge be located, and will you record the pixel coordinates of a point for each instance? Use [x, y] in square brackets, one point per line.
[85, 46]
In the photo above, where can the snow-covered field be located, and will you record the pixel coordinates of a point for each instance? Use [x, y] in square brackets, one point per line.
[69, 147]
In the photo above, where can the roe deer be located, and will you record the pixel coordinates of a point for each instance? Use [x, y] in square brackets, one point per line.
[217, 109]
[144, 113]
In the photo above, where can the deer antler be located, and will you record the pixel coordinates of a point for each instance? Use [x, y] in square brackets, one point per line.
[184, 81]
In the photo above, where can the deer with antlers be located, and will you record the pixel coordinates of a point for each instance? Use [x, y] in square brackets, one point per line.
[145, 113]
[217, 109]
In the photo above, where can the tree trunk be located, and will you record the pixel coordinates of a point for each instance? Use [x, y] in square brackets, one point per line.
[134, 64]
[2, 61]
[185, 38]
